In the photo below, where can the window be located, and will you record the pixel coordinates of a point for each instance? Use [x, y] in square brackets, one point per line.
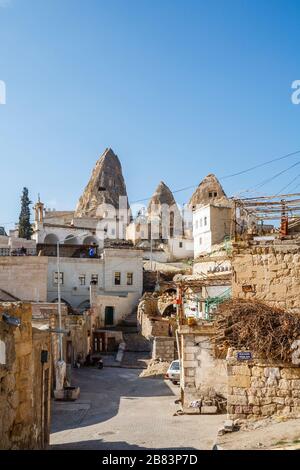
[55, 278]
[210, 195]
[200, 222]
[215, 194]
[180, 244]
[129, 279]
[200, 241]
[117, 278]
[94, 279]
[82, 279]
[205, 220]
[196, 224]
[113, 231]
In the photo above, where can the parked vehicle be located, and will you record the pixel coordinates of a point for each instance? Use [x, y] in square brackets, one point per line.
[173, 373]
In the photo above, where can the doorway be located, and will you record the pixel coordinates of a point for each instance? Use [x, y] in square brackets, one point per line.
[109, 316]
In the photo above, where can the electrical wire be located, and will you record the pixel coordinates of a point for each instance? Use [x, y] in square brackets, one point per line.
[247, 170]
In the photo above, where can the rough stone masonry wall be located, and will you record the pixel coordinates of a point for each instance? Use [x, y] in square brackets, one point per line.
[271, 273]
[164, 348]
[260, 388]
[203, 376]
[19, 428]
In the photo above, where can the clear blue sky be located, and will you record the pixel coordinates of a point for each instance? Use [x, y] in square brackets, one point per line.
[178, 89]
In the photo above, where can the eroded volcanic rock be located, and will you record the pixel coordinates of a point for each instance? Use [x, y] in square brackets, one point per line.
[208, 191]
[104, 187]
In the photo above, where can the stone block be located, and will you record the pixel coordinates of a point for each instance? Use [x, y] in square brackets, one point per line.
[290, 373]
[284, 384]
[271, 392]
[257, 371]
[278, 400]
[295, 384]
[256, 410]
[248, 409]
[288, 401]
[266, 401]
[241, 370]
[237, 400]
[190, 363]
[283, 393]
[188, 357]
[258, 382]
[209, 409]
[239, 381]
[252, 400]
[191, 349]
[268, 410]
[283, 410]
[296, 393]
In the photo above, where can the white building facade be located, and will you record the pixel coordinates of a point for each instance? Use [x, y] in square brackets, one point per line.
[111, 284]
[211, 225]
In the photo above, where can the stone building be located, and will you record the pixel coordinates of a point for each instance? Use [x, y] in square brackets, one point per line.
[25, 376]
[268, 270]
[112, 283]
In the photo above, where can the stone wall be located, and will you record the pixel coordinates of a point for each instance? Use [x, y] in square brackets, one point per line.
[259, 388]
[24, 400]
[24, 277]
[268, 271]
[202, 376]
[164, 348]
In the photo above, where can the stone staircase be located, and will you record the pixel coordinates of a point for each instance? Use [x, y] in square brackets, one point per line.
[131, 319]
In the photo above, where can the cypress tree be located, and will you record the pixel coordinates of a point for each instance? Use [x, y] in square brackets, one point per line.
[25, 229]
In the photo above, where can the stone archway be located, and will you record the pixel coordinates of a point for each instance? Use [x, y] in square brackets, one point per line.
[90, 240]
[71, 240]
[51, 239]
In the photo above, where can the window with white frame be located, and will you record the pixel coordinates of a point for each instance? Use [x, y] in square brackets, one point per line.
[201, 222]
[129, 279]
[200, 241]
[205, 220]
[81, 279]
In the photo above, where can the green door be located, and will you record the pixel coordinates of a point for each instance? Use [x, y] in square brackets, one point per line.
[109, 316]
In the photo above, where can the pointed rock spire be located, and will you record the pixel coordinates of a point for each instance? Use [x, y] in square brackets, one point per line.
[162, 195]
[104, 187]
[208, 191]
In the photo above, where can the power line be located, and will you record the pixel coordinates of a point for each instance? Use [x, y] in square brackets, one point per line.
[268, 180]
[287, 185]
[260, 165]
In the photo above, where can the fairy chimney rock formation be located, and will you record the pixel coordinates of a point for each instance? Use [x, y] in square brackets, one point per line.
[209, 191]
[162, 195]
[105, 186]
[161, 200]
